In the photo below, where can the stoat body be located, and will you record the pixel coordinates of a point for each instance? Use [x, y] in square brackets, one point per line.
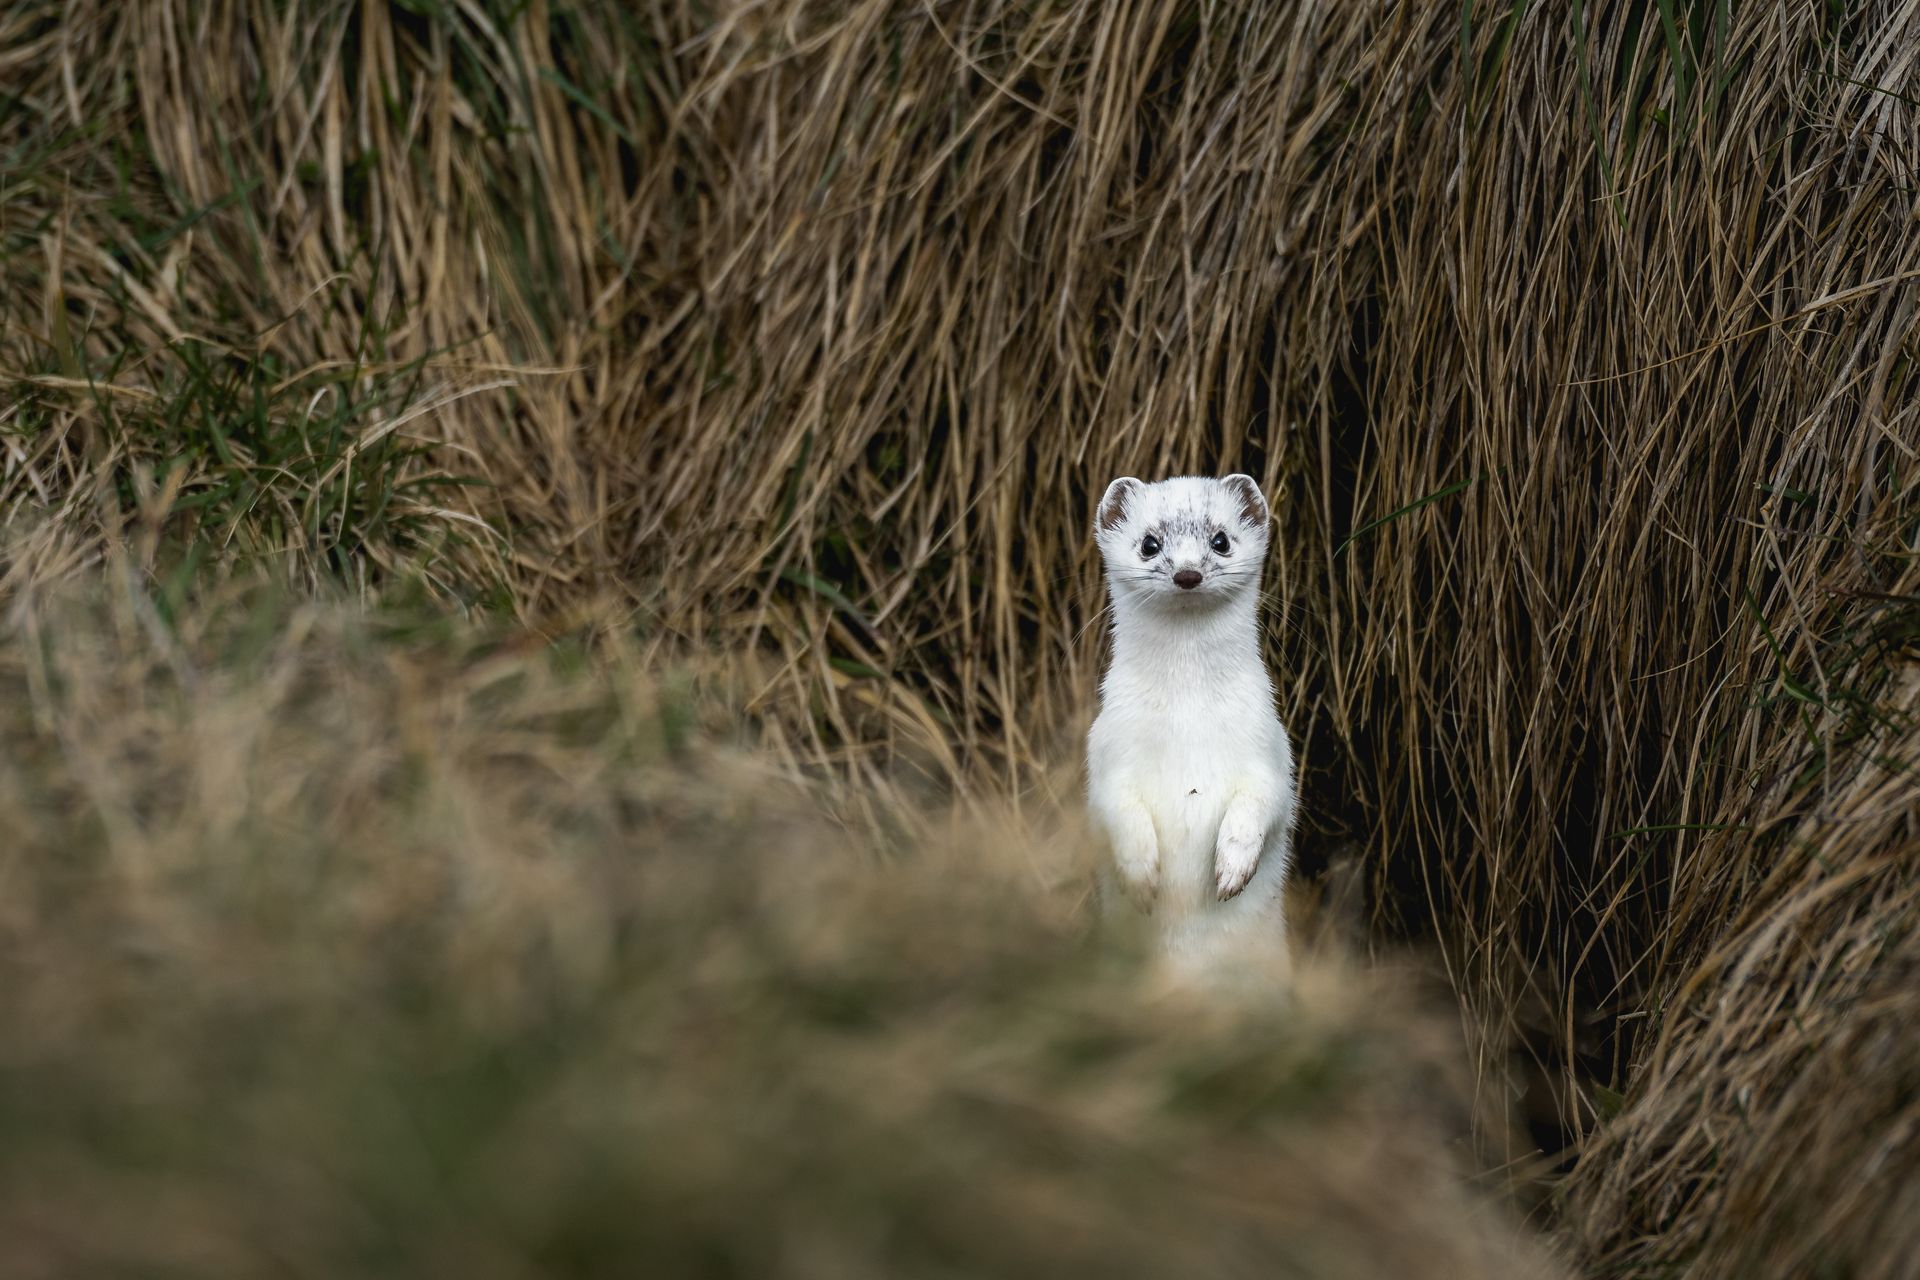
[1190, 774]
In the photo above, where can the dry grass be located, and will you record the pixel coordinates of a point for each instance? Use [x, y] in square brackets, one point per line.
[1774, 1124]
[361, 947]
[1579, 344]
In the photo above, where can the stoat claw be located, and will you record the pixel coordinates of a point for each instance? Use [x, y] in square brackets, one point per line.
[1234, 861]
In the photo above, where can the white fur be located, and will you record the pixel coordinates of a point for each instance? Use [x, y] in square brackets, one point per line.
[1189, 770]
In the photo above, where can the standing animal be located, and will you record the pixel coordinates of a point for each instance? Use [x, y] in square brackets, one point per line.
[1190, 774]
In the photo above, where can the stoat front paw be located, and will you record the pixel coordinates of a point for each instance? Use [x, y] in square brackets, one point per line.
[1139, 863]
[1235, 856]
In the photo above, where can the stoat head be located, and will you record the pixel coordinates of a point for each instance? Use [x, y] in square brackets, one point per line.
[1186, 543]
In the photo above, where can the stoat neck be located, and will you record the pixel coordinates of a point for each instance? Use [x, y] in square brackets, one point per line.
[1149, 641]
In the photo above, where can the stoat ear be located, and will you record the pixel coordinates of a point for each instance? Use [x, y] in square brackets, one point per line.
[1253, 503]
[1113, 507]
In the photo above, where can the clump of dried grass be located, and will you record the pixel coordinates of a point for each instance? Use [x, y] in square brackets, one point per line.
[1579, 343]
[355, 947]
[1773, 1125]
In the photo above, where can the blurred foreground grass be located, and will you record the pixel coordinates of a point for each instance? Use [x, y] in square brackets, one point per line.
[348, 944]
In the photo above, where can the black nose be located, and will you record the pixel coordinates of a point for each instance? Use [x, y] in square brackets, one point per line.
[1187, 579]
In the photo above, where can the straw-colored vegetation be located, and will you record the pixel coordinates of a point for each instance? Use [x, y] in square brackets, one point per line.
[788, 344]
[337, 947]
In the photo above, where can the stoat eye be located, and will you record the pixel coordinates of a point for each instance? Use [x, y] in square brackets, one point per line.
[1149, 547]
[1222, 544]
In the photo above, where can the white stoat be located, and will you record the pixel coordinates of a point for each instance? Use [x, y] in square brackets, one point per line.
[1189, 771]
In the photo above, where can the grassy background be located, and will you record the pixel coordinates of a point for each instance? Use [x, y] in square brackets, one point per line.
[789, 345]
